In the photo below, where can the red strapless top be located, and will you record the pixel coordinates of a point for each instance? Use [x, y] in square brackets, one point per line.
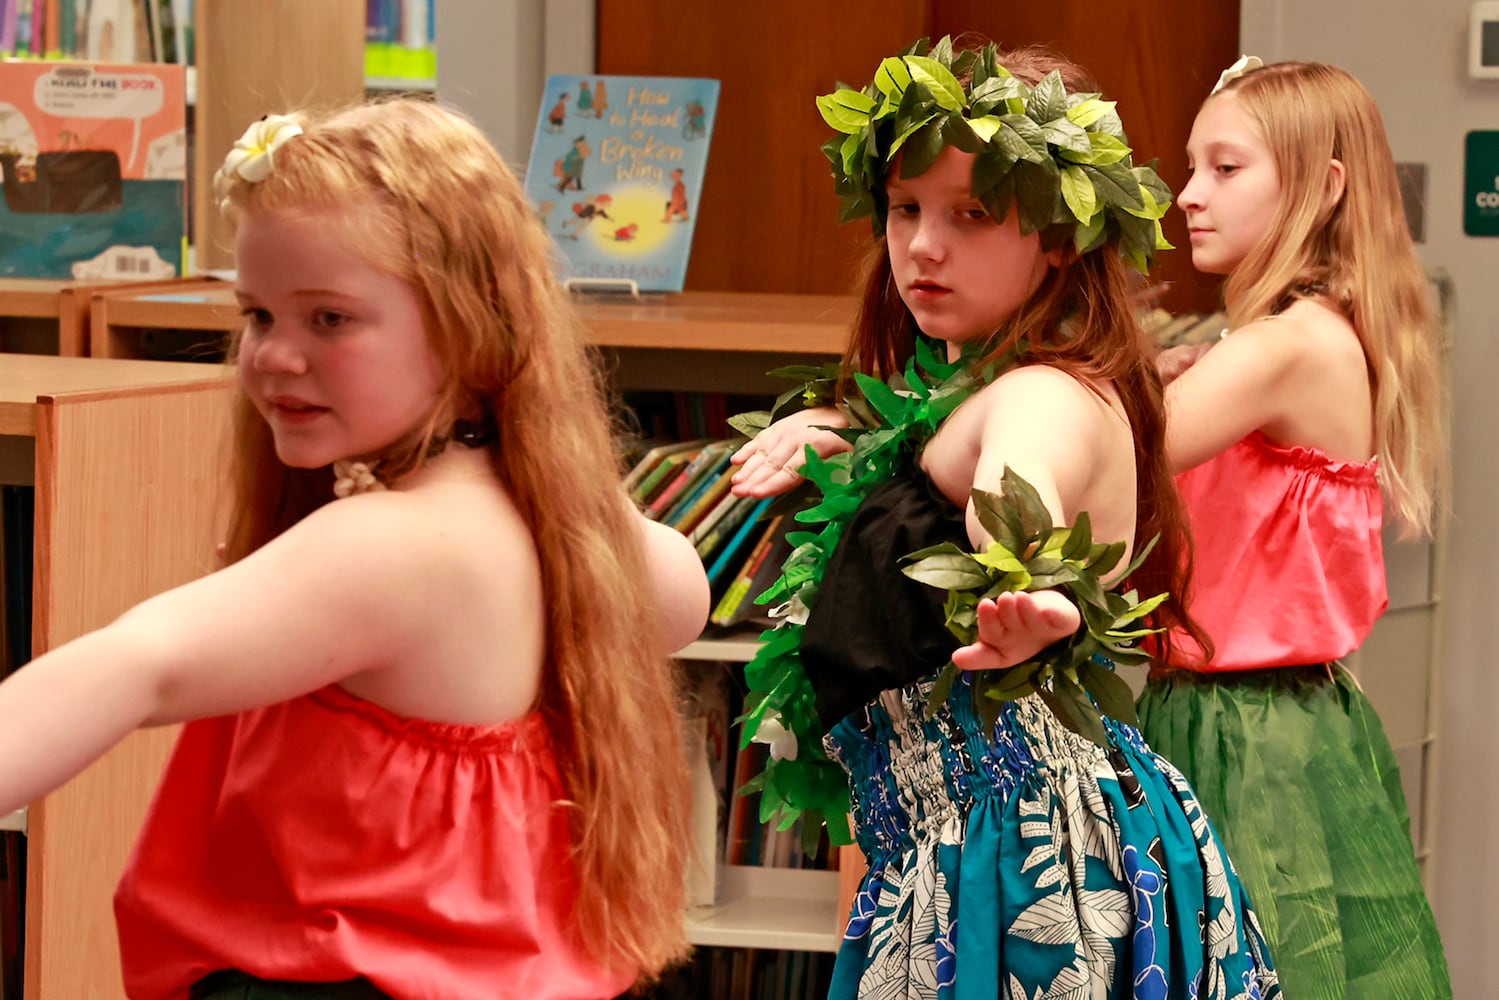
[326, 838]
[1289, 555]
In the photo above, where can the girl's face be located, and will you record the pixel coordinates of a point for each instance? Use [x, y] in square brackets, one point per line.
[960, 273]
[335, 354]
[1234, 189]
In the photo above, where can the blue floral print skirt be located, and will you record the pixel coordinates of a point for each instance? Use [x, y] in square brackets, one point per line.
[1033, 864]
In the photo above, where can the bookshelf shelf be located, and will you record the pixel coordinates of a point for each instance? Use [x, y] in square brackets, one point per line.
[771, 908]
[15, 822]
[736, 647]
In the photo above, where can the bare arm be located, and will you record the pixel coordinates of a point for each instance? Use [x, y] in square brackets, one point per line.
[679, 581]
[342, 593]
[1051, 431]
[1245, 382]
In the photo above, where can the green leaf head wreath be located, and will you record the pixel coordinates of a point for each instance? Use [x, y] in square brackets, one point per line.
[1060, 159]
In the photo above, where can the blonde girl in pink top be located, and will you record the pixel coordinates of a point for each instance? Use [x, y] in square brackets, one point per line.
[1289, 437]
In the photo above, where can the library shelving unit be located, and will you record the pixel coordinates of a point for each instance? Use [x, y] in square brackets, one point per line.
[124, 458]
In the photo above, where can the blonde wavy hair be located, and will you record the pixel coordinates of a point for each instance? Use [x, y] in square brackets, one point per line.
[424, 196]
[1355, 250]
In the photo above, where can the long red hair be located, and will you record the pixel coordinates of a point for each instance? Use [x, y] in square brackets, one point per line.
[426, 198]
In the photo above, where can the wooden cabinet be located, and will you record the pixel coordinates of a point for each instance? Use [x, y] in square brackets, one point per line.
[125, 458]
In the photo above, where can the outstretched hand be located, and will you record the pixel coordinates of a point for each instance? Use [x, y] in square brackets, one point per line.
[1014, 627]
[771, 463]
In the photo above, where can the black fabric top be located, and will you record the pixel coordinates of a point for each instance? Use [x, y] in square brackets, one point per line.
[873, 628]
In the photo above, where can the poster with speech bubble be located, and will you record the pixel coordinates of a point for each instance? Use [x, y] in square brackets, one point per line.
[94, 164]
[123, 108]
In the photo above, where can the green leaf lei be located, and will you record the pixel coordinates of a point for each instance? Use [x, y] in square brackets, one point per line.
[1028, 553]
[1062, 159]
[889, 422]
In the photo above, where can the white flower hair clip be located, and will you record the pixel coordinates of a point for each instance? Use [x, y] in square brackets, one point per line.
[1238, 69]
[252, 157]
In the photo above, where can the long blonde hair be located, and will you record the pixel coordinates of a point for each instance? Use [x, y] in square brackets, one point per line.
[429, 200]
[1356, 251]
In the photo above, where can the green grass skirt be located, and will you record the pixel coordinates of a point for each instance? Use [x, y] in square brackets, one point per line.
[1294, 768]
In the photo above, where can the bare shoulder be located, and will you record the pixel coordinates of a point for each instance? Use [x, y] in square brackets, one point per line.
[416, 535]
[1308, 333]
[1044, 395]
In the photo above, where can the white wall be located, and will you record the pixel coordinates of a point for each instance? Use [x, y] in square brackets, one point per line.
[493, 57]
[1413, 58]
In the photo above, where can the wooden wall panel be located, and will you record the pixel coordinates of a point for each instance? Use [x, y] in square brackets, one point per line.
[1157, 58]
[768, 218]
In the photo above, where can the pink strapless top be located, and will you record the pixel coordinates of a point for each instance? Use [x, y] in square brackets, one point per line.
[325, 838]
[1289, 556]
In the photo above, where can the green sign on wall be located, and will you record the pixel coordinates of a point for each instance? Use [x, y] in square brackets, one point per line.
[1481, 189]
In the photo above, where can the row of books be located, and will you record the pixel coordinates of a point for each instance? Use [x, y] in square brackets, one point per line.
[98, 30]
[1168, 330]
[747, 974]
[712, 700]
[400, 39]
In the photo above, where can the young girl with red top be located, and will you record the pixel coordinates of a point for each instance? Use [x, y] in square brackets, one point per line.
[391, 789]
[1283, 434]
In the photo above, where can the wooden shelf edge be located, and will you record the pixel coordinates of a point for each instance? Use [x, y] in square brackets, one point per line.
[15, 822]
[737, 647]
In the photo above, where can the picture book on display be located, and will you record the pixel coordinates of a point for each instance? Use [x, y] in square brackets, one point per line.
[615, 173]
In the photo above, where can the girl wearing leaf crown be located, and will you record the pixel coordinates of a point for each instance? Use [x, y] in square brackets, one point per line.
[1283, 432]
[386, 785]
[998, 386]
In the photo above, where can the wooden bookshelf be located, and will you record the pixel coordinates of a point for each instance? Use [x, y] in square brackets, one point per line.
[125, 460]
[718, 323]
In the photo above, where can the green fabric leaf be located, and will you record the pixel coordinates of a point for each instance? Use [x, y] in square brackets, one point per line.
[1116, 184]
[1102, 150]
[1066, 136]
[846, 110]
[1078, 193]
[1038, 194]
[948, 572]
[938, 79]
[941, 688]
[957, 133]
[1048, 100]
[892, 77]
[1111, 692]
[986, 126]
[1035, 519]
[900, 141]
[890, 407]
[1022, 138]
[1089, 111]
[1103, 558]
[995, 92]
[1087, 237]
[923, 149]
[751, 423]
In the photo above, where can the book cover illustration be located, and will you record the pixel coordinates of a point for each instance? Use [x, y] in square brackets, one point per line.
[94, 160]
[615, 173]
